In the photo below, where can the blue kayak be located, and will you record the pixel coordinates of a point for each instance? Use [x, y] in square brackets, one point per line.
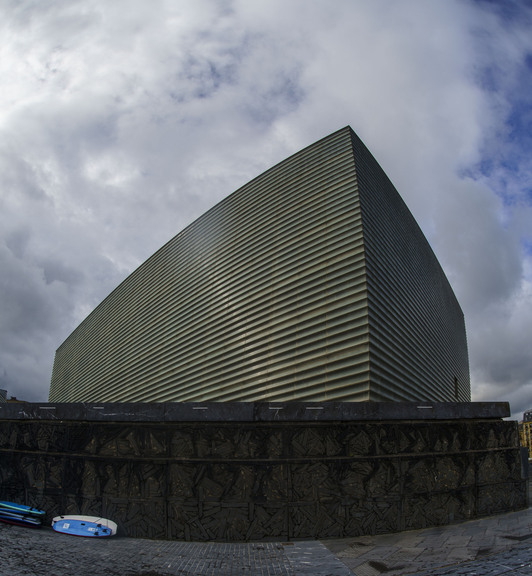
[19, 519]
[20, 509]
[82, 528]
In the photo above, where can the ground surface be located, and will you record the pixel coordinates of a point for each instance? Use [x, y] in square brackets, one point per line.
[495, 546]
[43, 552]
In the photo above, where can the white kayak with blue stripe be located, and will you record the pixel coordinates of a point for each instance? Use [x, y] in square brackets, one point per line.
[80, 525]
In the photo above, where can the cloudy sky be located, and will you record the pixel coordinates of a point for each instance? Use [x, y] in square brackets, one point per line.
[121, 122]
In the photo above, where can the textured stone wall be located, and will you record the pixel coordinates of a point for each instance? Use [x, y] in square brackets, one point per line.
[255, 480]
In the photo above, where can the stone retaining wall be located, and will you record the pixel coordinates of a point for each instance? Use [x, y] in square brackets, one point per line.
[240, 472]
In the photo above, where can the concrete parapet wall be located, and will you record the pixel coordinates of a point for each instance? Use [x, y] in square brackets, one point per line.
[263, 471]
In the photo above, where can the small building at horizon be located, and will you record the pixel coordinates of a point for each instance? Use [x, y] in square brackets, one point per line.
[313, 282]
[525, 431]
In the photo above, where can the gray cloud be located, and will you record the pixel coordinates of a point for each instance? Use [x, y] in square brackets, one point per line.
[122, 122]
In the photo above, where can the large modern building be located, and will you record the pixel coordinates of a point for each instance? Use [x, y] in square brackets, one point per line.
[311, 282]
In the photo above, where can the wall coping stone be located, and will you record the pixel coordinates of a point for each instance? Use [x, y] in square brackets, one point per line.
[253, 411]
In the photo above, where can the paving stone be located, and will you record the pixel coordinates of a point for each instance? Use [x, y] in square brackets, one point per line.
[44, 552]
[494, 546]
[406, 555]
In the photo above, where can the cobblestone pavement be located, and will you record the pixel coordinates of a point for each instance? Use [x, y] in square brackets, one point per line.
[495, 546]
[40, 552]
[514, 562]
[488, 547]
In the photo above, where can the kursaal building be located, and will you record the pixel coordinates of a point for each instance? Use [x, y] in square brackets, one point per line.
[312, 282]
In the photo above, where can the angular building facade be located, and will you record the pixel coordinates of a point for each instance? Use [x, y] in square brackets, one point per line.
[312, 282]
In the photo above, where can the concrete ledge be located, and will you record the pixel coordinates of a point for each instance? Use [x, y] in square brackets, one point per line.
[254, 411]
[259, 471]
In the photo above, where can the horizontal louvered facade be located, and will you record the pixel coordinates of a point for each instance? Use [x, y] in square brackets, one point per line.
[280, 292]
[418, 348]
